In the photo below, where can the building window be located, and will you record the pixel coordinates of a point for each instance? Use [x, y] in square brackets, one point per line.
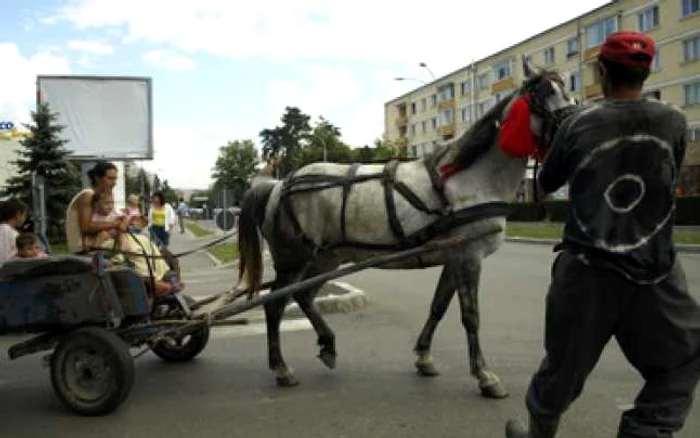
[549, 56]
[424, 149]
[414, 150]
[597, 32]
[446, 117]
[502, 70]
[690, 7]
[467, 114]
[656, 94]
[413, 129]
[572, 47]
[656, 64]
[434, 100]
[575, 82]
[485, 106]
[465, 87]
[692, 134]
[483, 81]
[691, 49]
[446, 92]
[423, 104]
[434, 120]
[528, 58]
[424, 126]
[692, 93]
[648, 19]
[413, 107]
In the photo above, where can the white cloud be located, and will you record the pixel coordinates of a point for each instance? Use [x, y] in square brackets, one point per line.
[185, 156]
[18, 80]
[169, 60]
[90, 46]
[444, 34]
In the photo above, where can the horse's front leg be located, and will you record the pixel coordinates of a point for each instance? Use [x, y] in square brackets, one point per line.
[326, 337]
[466, 277]
[441, 301]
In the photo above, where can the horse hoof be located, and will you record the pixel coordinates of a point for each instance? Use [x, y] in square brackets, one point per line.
[427, 370]
[287, 381]
[328, 359]
[494, 390]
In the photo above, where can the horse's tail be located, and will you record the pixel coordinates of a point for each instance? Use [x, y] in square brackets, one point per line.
[252, 215]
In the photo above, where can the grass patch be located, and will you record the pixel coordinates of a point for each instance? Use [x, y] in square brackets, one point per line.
[197, 230]
[555, 231]
[225, 252]
[59, 248]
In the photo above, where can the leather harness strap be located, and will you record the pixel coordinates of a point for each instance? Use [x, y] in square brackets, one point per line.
[447, 219]
[347, 186]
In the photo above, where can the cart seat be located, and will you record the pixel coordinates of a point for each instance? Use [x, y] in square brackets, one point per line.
[54, 265]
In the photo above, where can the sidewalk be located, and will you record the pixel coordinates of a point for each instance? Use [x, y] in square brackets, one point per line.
[198, 261]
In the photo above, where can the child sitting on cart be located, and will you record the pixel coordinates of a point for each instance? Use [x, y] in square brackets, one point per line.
[134, 246]
[28, 247]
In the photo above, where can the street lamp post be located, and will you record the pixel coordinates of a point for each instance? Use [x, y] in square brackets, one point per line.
[409, 79]
[425, 66]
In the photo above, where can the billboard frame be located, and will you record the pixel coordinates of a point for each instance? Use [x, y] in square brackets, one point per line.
[149, 96]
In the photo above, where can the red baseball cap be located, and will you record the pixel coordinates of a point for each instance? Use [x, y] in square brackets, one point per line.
[626, 47]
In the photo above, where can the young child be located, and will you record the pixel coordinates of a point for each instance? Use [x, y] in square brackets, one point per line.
[28, 247]
[103, 211]
[133, 212]
[13, 213]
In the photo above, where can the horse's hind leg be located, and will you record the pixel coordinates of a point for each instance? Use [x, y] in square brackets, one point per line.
[441, 301]
[326, 337]
[274, 310]
[466, 277]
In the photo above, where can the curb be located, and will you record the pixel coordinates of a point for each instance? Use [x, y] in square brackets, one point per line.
[683, 248]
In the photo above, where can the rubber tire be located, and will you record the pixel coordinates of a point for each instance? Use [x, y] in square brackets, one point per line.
[113, 351]
[198, 340]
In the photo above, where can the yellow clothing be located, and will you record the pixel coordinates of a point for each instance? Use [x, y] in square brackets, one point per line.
[158, 266]
[159, 216]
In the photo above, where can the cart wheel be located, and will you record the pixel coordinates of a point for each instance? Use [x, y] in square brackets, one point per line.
[183, 349]
[92, 371]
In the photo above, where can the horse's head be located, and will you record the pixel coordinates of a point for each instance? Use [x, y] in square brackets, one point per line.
[535, 113]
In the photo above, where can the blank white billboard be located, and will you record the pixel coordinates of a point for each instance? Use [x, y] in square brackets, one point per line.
[107, 117]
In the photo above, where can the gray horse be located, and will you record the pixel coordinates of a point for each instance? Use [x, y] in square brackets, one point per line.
[327, 214]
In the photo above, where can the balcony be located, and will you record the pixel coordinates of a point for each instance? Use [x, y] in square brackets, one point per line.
[401, 121]
[504, 84]
[591, 53]
[593, 90]
[447, 130]
[446, 104]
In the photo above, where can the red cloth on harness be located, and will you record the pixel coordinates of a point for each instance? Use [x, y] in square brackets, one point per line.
[516, 137]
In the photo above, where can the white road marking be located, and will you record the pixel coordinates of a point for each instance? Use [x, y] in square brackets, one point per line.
[290, 325]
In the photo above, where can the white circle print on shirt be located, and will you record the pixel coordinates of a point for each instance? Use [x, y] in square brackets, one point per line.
[624, 191]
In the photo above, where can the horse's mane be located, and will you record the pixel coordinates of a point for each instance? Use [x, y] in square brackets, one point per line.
[480, 137]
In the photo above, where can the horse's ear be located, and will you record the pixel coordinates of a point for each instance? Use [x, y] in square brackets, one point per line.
[528, 68]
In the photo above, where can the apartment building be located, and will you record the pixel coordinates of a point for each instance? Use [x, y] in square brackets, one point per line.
[423, 118]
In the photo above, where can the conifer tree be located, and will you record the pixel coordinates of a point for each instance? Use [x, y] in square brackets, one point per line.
[43, 153]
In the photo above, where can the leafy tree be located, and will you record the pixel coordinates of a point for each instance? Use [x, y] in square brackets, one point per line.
[326, 136]
[170, 195]
[235, 166]
[43, 153]
[282, 145]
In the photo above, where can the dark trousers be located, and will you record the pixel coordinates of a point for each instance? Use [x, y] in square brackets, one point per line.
[657, 328]
[160, 235]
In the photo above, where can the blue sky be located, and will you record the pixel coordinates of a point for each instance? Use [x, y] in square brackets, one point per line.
[224, 69]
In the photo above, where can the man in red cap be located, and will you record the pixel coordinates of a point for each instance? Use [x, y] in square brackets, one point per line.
[617, 273]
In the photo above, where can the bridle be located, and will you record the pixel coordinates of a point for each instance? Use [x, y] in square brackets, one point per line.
[551, 121]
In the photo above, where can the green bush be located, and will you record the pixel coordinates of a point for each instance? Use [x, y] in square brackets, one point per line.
[687, 211]
[526, 212]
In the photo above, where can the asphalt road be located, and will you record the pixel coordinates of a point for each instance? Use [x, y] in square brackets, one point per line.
[374, 391]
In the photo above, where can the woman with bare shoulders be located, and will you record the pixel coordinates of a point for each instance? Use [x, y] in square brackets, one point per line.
[82, 230]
